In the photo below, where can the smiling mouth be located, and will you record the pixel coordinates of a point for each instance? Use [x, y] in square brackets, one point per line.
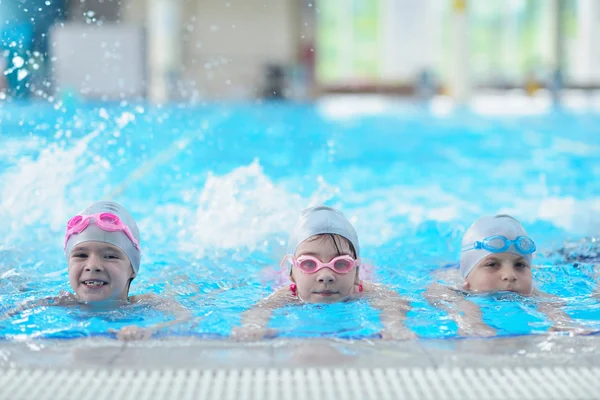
[94, 283]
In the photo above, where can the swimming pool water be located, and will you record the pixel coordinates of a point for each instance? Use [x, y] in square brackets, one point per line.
[215, 187]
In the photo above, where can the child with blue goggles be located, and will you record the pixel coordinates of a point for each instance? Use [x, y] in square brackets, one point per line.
[496, 256]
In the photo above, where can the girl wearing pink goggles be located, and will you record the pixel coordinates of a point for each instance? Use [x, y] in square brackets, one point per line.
[106, 221]
[102, 247]
[323, 254]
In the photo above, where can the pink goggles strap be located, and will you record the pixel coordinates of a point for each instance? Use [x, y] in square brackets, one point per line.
[108, 222]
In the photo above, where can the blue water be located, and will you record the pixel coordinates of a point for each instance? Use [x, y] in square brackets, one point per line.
[215, 188]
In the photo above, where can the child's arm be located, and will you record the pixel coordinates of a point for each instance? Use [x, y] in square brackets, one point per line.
[133, 332]
[561, 321]
[595, 275]
[393, 309]
[63, 299]
[466, 314]
[26, 305]
[255, 320]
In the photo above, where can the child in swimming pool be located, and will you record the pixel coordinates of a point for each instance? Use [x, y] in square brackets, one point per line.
[324, 255]
[496, 256]
[102, 247]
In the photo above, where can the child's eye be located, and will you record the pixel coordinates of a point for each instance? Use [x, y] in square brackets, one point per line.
[308, 264]
[111, 256]
[492, 264]
[79, 255]
[521, 265]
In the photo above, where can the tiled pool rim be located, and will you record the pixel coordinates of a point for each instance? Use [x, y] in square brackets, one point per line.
[531, 367]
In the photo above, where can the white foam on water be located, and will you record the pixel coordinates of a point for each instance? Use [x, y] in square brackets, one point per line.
[414, 206]
[579, 217]
[376, 219]
[15, 146]
[572, 147]
[42, 190]
[124, 119]
[243, 208]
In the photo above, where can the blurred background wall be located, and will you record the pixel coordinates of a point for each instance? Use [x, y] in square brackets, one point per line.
[195, 50]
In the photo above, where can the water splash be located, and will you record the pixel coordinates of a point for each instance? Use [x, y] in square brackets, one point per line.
[244, 208]
[41, 191]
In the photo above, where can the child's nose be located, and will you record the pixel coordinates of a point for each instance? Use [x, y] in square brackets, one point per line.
[326, 276]
[94, 264]
[508, 274]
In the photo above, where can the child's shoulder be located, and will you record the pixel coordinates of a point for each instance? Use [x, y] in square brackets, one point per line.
[285, 292]
[372, 290]
[159, 303]
[149, 298]
[369, 287]
[279, 298]
[64, 298]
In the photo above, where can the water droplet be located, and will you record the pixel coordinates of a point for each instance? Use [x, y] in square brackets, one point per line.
[18, 62]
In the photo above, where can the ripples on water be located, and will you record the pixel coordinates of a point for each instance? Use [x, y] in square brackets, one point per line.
[215, 189]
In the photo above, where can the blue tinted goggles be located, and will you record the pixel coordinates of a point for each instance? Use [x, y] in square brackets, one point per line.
[499, 244]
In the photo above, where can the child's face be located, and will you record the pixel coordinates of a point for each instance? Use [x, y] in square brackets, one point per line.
[325, 285]
[501, 272]
[99, 272]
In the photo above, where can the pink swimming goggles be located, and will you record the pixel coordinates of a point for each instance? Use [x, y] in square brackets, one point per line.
[310, 264]
[108, 222]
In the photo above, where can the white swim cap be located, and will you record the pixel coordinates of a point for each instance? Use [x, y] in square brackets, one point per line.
[117, 238]
[322, 220]
[484, 227]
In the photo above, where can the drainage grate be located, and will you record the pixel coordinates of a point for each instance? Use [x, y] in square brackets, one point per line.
[309, 384]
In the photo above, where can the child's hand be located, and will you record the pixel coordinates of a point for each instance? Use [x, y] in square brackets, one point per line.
[64, 298]
[250, 333]
[572, 330]
[480, 330]
[132, 332]
[473, 326]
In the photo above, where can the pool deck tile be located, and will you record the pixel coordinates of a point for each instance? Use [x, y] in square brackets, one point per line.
[187, 353]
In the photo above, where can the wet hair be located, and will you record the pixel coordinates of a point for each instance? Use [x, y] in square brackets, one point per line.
[335, 238]
[129, 286]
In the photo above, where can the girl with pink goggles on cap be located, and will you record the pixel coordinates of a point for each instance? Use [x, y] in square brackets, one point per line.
[324, 262]
[102, 247]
